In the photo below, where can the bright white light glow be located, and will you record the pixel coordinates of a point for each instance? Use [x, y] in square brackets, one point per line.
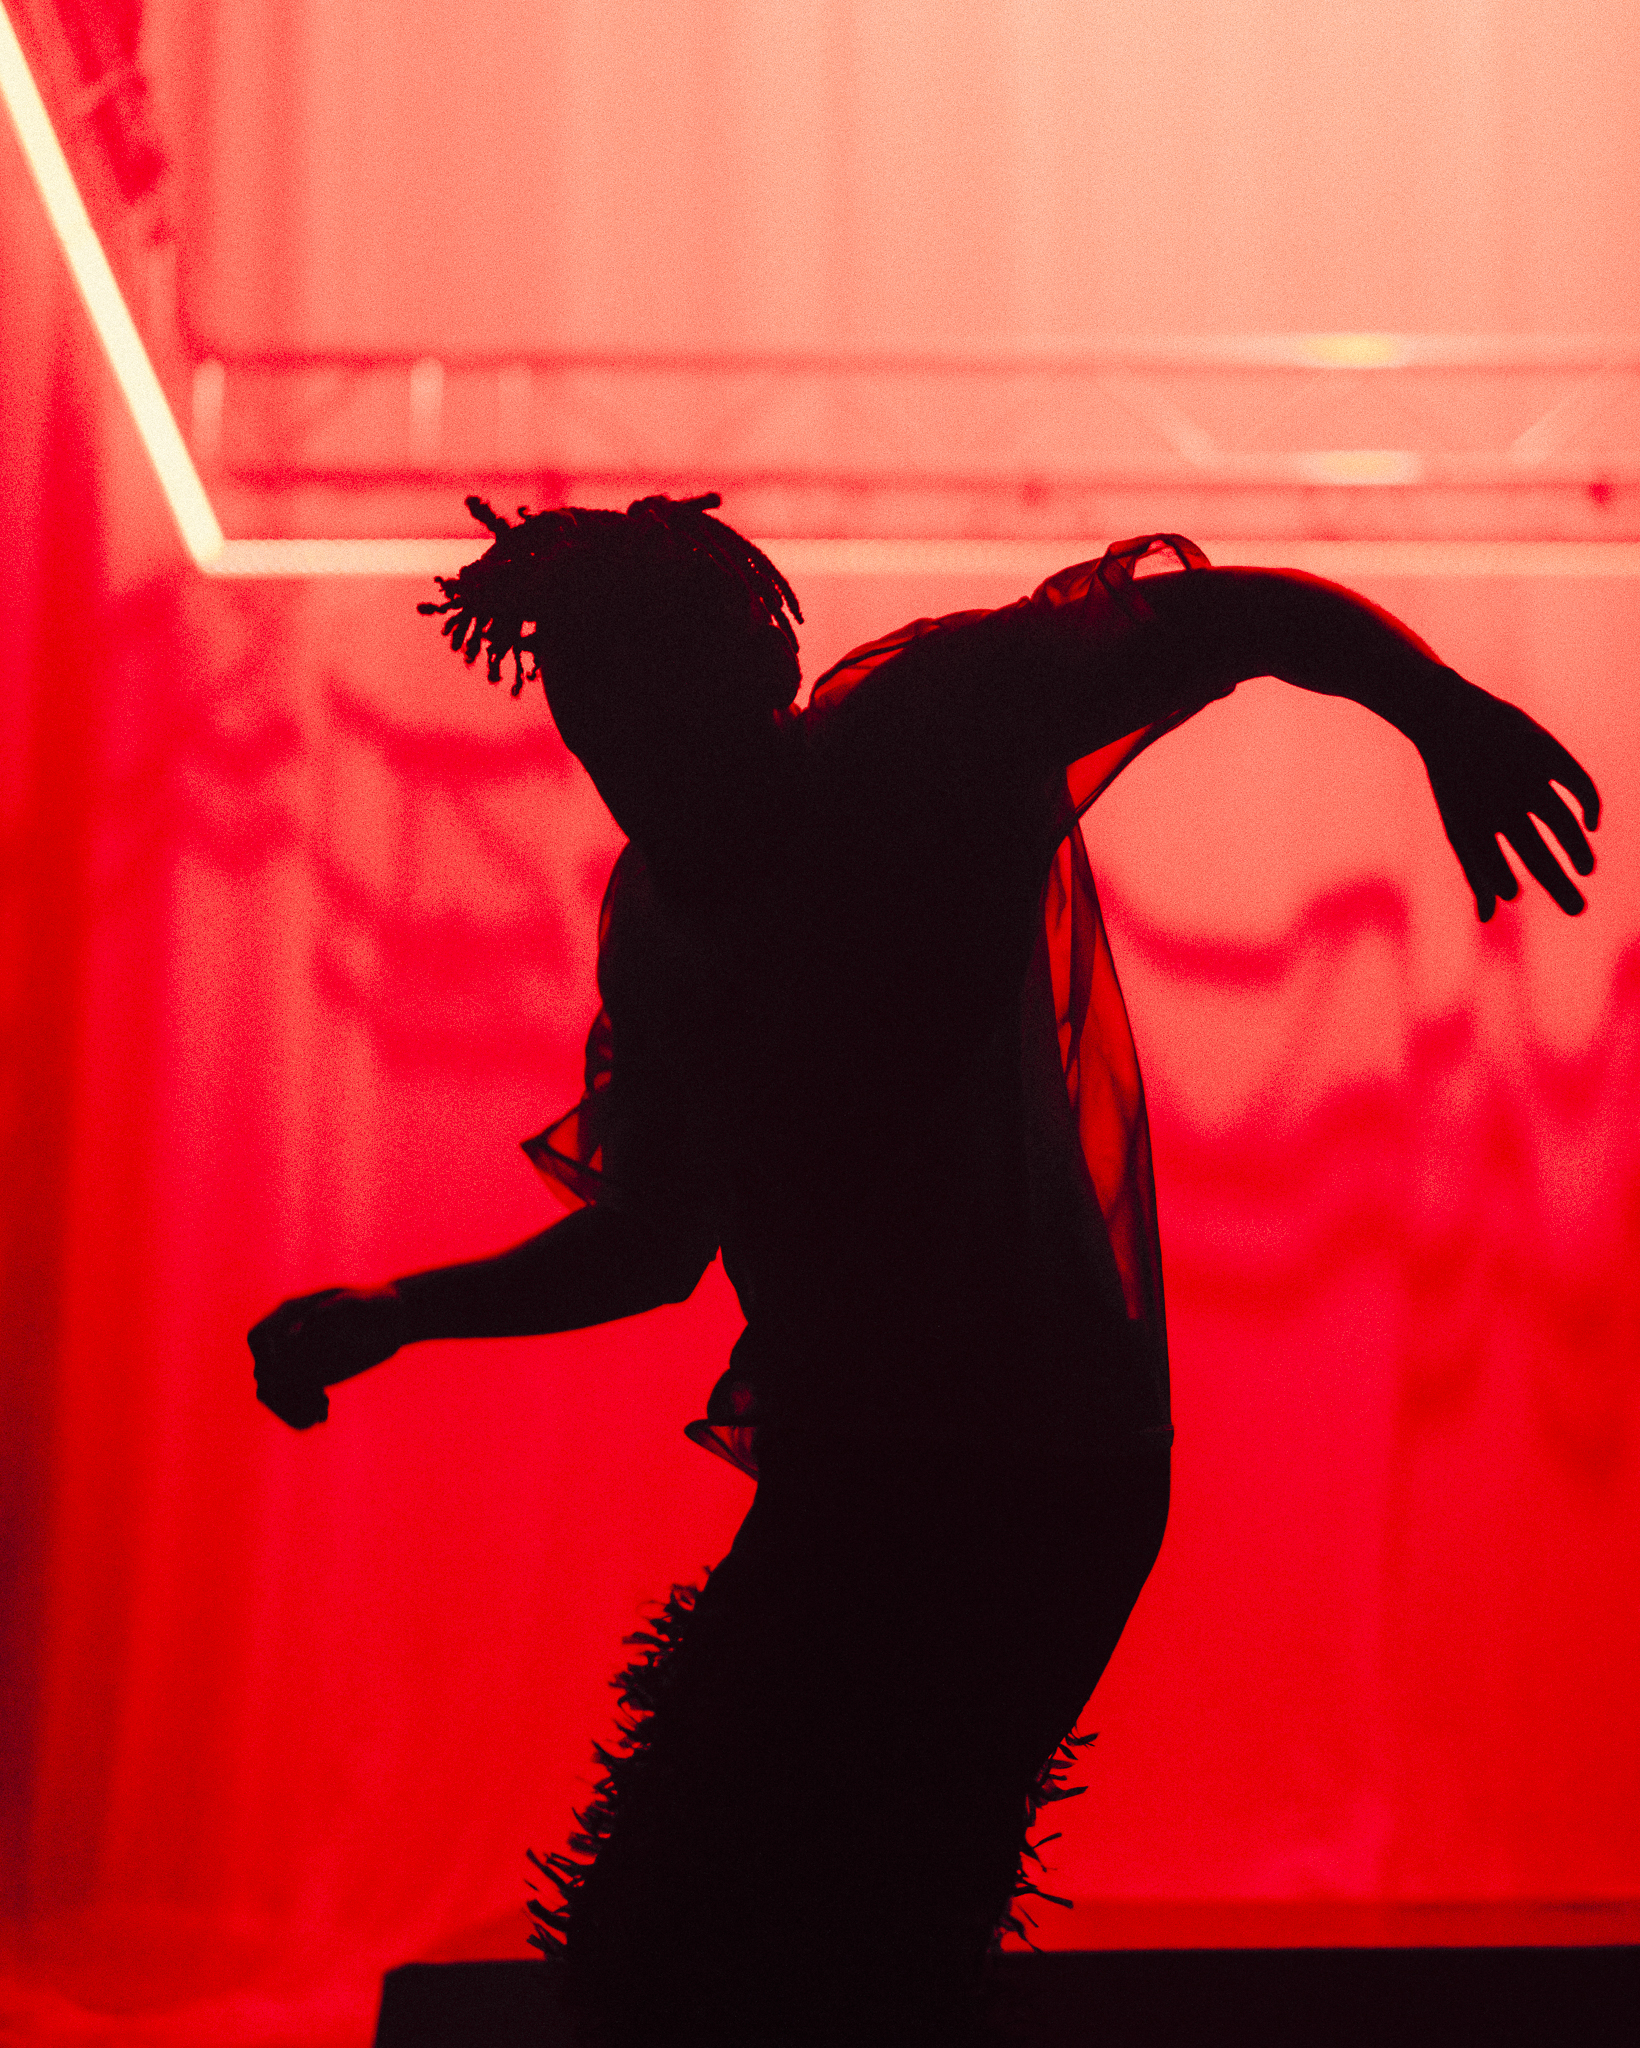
[1353, 351]
[110, 316]
[210, 551]
[1360, 466]
[344, 557]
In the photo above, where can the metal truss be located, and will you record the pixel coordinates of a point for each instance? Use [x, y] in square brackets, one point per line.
[1340, 440]
[1309, 436]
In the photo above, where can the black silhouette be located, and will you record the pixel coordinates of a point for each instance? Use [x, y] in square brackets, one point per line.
[861, 1031]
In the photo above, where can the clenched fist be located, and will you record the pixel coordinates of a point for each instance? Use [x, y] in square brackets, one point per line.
[314, 1341]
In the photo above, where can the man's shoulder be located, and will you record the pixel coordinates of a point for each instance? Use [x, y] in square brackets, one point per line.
[923, 653]
[946, 704]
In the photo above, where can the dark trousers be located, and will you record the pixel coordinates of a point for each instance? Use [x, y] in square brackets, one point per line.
[839, 1743]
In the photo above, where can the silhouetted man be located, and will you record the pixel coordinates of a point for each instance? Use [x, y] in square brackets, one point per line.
[860, 1031]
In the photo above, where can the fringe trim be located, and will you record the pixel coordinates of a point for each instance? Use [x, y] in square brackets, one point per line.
[1050, 1786]
[640, 1688]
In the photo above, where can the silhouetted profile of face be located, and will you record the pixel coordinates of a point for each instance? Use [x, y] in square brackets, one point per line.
[677, 729]
[667, 646]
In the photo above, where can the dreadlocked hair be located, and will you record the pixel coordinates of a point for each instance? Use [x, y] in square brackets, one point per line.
[575, 577]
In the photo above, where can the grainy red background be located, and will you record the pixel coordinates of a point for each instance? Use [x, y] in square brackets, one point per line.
[298, 943]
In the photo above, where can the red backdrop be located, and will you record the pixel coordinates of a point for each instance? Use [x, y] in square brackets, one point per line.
[298, 944]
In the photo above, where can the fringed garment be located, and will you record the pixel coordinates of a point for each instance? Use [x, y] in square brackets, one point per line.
[815, 1824]
[891, 1076]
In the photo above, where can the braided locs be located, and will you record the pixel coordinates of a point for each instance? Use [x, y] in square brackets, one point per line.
[663, 562]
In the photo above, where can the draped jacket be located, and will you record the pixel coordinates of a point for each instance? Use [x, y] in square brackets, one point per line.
[890, 1075]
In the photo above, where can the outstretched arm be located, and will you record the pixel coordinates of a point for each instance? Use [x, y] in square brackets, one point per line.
[1491, 767]
[595, 1266]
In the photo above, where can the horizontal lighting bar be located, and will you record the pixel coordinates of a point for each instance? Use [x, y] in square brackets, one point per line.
[1022, 355]
[202, 534]
[275, 558]
[1024, 560]
[1359, 466]
[1335, 559]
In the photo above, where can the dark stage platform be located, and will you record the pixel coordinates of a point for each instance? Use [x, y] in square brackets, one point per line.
[1477, 1997]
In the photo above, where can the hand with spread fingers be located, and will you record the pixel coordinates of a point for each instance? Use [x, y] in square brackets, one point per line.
[315, 1341]
[1494, 771]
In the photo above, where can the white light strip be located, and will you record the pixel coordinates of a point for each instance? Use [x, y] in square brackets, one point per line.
[1339, 560]
[1026, 560]
[110, 316]
[1335, 559]
[275, 558]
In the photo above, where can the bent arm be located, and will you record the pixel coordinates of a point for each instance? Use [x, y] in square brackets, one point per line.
[595, 1266]
[1228, 625]
[1193, 636]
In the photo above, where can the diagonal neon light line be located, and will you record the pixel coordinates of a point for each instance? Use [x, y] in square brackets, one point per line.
[211, 552]
[133, 371]
[143, 393]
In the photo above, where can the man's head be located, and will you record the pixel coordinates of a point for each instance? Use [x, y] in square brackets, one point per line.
[661, 637]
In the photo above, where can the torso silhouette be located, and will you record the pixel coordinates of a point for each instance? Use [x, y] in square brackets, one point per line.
[849, 1071]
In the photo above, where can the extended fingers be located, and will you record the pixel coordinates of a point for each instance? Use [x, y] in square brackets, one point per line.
[1486, 870]
[1565, 827]
[1542, 866]
[1497, 790]
[1490, 877]
[1571, 774]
